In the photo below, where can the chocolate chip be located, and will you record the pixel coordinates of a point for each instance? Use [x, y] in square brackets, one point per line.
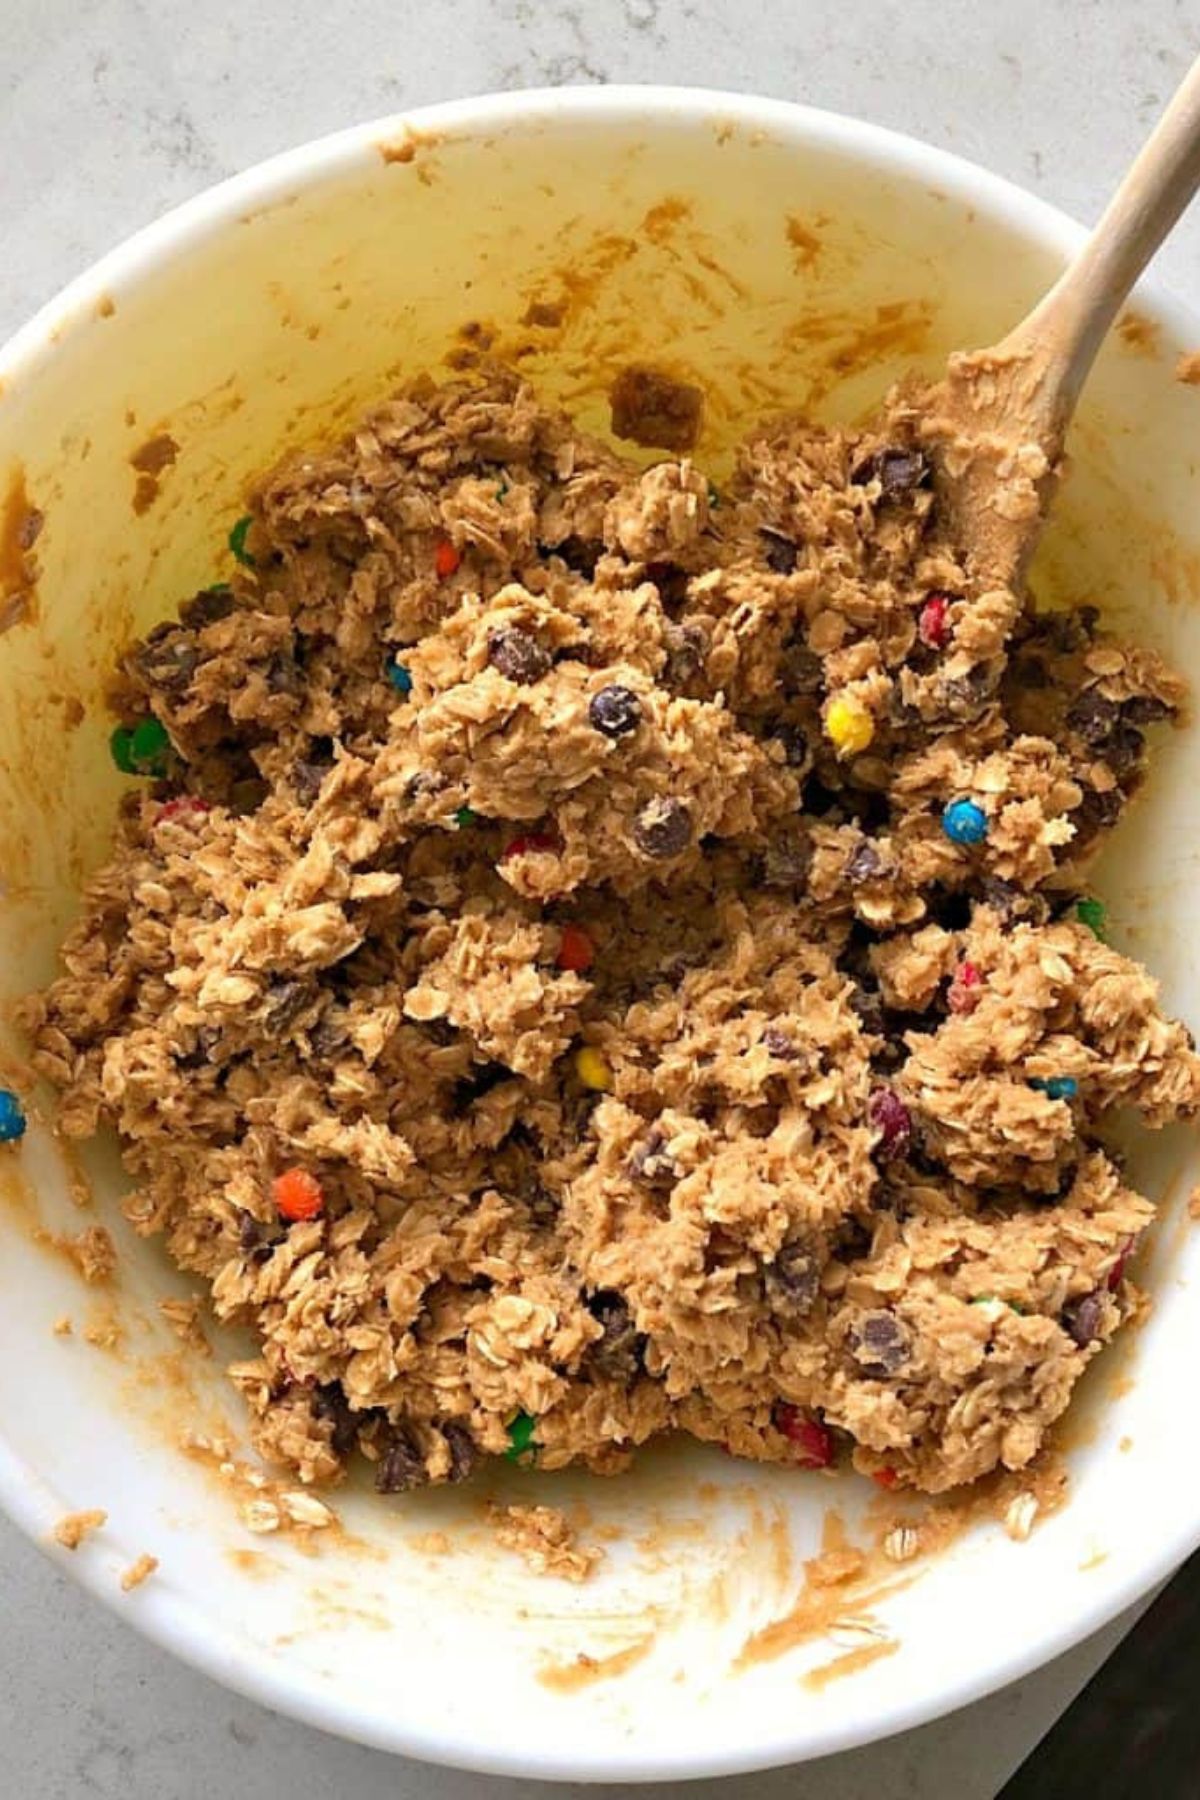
[401, 1466]
[615, 711]
[464, 1451]
[330, 1402]
[779, 1044]
[686, 647]
[1124, 750]
[1096, 812]
[800, 670]
[544, 1208]
[793, 1280]
[207, 607]
[649, 1161]
[1012, 902]
[307, 778]
[1082, 1319]
[518, 655]
[967, 693]
[864, 862]
[787, 860]
[1002, 896]
[778, 549]
[663, 829]
[284, 675]
[257, 1239]
[330, 1033]
[619, 1354]
[249, 1230]
[794, 744]
[867, 1004]
[1093, 716]
[898, 472]
[902, 471]
[880, 1344]
[1145, 709]
[167, 659]
[424, 782]
[285, 1001]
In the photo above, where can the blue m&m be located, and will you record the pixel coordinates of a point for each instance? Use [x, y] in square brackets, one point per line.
[12, 1117]
[399, 676]
[1055, 1087]
[964, 823]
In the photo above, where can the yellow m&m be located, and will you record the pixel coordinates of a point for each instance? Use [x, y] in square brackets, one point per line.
[848, 726]
[592, 1069]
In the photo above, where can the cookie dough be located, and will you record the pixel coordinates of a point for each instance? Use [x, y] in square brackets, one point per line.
[586, 955]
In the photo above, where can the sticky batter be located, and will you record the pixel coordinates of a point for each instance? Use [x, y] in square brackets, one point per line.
[586, 955]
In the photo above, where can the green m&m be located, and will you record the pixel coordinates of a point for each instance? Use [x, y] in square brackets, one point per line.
[141, 749]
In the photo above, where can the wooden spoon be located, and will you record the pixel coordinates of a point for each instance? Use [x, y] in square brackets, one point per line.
[997, 420]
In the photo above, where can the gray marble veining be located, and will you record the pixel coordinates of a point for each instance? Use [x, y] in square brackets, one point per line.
[111, 111]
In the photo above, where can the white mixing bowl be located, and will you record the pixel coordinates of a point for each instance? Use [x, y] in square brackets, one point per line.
[267, 312]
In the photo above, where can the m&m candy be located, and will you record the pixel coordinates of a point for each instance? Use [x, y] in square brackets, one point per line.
[12, 1117]
[964, 823]
[966, 989]
[593, 1069]
[521, 1447]
[297, 1195]
[141, 749]
[1092, 914]
[576, 952]
[445, 559]
[1055, 1087]
[848, 726]
[933, 627]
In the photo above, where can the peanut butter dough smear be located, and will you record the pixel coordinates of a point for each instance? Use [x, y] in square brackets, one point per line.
[587, 956]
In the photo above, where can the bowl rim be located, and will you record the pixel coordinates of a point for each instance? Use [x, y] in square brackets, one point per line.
[181, 1626]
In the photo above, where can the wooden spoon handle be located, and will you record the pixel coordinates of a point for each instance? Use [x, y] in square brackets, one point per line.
[1068, 325]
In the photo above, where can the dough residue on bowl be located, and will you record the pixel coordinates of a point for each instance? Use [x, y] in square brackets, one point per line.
[139, 1571]
[586, 955]
[74, 1528]
[546, 1539]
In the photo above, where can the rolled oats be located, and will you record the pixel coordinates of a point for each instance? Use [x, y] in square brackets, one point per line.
[486, 682]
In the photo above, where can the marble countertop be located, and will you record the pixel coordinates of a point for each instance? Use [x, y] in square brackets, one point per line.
[112, 111]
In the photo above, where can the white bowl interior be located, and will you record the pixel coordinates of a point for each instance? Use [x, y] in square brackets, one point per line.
[270, 315]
